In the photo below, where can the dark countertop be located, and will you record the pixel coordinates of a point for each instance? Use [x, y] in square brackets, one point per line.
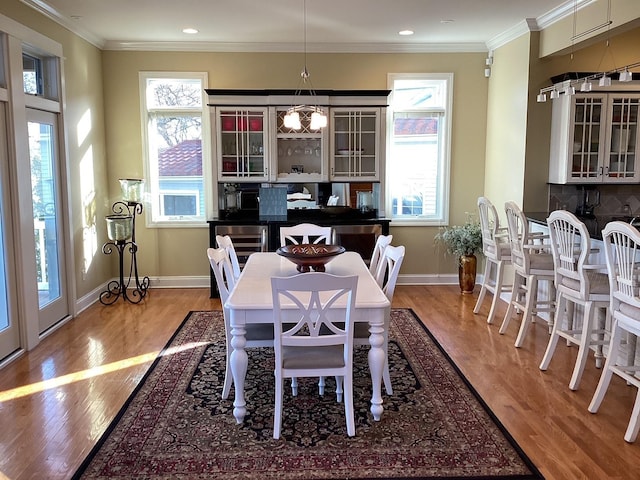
[595, 223]
[345, 217]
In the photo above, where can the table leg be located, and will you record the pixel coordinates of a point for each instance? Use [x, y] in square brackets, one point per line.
[376, 365]
[239, 362]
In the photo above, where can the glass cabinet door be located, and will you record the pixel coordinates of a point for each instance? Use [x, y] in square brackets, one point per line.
[623, 139]
[242, 144]
[300, 154]
[587, 145]
[355, 143]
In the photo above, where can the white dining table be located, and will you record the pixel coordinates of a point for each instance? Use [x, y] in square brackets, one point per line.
[251, 302]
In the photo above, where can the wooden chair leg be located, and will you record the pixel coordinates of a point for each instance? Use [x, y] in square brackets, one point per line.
[583, 349]
[497, 290]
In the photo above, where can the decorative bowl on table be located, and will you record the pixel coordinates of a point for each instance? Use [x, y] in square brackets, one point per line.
[310, 256]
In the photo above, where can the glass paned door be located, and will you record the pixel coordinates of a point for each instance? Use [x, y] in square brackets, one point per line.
[9, 329]
[47, 221]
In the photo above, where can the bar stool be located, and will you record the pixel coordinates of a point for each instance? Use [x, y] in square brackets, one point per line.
[532, 263]
[622, 250]
[497, 254]
[577, 282]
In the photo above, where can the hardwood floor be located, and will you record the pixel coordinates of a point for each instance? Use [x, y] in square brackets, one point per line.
[57, 400]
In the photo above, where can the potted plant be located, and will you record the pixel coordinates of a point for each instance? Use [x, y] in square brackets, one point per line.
[463, 242]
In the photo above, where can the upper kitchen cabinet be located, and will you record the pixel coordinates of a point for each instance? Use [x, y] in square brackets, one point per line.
[241, 144]
[298, 155]
[594, 138]
[356, 143]
[253, 145]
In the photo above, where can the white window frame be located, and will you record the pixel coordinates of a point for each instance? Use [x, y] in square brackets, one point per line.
[155, 218]
[442, 215]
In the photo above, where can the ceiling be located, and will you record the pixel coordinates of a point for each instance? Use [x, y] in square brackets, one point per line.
[278, 25]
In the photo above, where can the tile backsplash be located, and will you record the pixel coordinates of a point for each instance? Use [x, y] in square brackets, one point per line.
[613, 198]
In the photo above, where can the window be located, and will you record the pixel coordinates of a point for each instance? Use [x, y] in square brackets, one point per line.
[39, 73]
[173, 124]
[419, 144]
[179, 204]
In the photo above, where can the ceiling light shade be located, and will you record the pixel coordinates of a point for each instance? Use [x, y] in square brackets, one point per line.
[318, 117]
[625, 76]
[292, 120]
[605, 81]
[555, 94]
[318, 120]
[586, 86]
[541, 98]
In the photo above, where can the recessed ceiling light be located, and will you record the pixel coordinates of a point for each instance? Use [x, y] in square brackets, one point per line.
[189, 30]
[405, 32]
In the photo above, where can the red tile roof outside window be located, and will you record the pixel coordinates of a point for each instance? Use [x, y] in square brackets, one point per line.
[182, 160]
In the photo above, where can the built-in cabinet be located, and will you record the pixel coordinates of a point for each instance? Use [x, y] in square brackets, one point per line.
[594, 138]
[253, 145]
[355, 144]
[242, 144]
[298, 155]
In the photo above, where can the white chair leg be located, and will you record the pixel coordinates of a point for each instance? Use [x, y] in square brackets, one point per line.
[321, 386]
[634, 423]
[483, 290]
[294, 386]
[277, 414]
[553, 341]
[517, 282]
[386, 377]
[339, 391]
[607, 373]
[583, 349]
[228, 377]
[497, 290]
[527, 316]
[348, 407]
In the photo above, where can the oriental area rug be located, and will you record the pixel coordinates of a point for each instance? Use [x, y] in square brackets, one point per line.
[176, 426]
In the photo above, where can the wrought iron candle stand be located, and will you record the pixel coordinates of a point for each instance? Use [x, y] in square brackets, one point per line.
[132, 289]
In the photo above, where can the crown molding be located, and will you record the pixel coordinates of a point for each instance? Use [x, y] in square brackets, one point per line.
[51, 13]
[537, 24]
[290, 47]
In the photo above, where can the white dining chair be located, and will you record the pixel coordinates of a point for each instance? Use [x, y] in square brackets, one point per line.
[532, 263]
[497, 255]
[224, 241]
[622, 252]
[257, 335]
[309, 341]
[305, 233]
[381, 243]
[578, 281]
[387, 277]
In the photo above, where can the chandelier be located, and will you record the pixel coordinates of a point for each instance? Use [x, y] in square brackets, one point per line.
[292, 117]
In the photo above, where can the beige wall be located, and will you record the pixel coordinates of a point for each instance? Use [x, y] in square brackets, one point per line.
[180, 252]
[87, 159]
